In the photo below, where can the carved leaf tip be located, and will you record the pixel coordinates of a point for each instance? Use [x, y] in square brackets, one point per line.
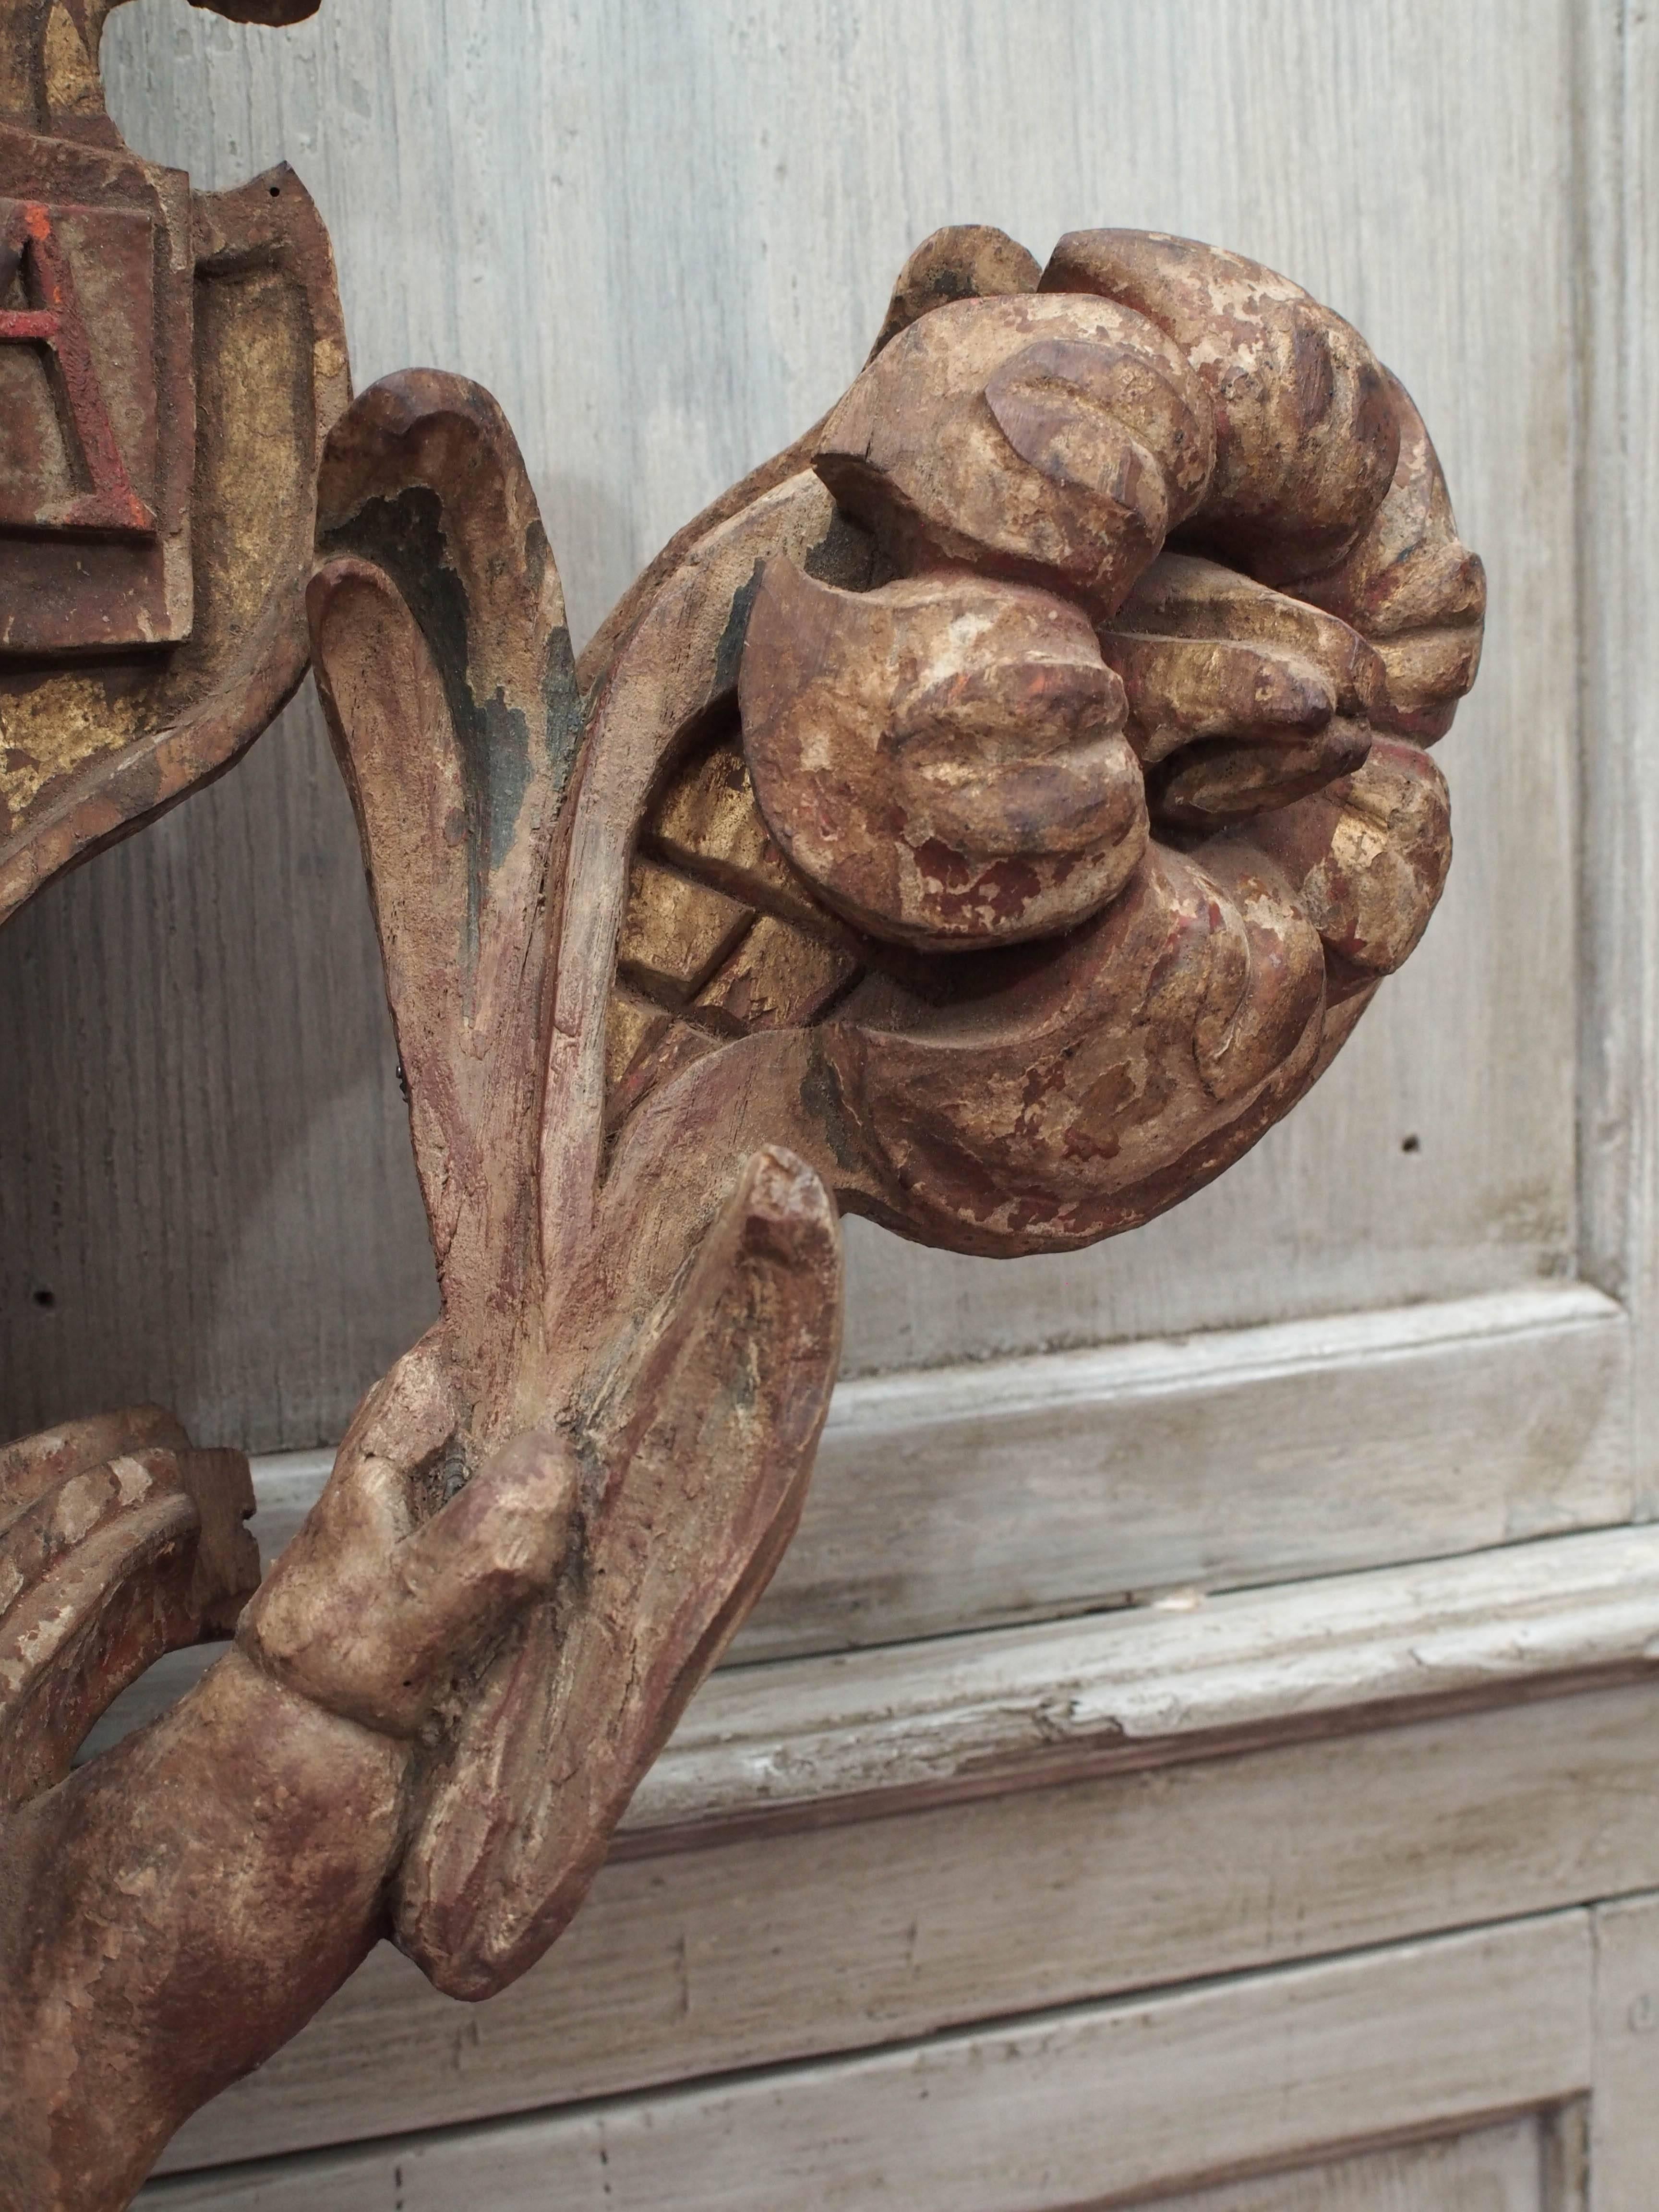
[703, 1440]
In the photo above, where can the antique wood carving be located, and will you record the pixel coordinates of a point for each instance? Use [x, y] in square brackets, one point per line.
[991, 817]
[170, 363]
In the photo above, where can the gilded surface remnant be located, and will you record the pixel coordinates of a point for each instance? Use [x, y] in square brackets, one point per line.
[170, 363]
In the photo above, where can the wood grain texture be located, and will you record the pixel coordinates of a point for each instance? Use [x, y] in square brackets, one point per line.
[1032, 1488]
[1617, 62]
[1122, 1688]
[266, 1086]
[1058, 2110]
[937, 1501]
[727, 272]
[1624, 2108]
[749, 1952]
[816, 1737]
[1045, 1485]
[1499, 2169]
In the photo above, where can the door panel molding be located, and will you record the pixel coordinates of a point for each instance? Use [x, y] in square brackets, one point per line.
[1028, 1489]
[1092, 2105]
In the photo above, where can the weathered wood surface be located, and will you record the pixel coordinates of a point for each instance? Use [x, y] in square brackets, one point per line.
[1043, 1487]
[170, 364]
[1130, 1684]
[1059, 2110]
[1124, 1687]
[301, 1270]
[785, 1944]
[1624, 2108]
[1617, 60]
[1506, 2168]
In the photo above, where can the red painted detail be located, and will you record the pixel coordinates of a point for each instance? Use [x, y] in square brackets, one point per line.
[53, 319]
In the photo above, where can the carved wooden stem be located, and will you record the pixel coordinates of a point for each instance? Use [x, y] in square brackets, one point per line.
[990, 818]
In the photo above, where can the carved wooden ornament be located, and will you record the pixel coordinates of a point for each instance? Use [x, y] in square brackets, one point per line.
[990, 818]
[170, 363]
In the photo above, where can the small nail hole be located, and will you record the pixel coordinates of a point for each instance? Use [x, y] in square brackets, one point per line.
[276, 191]
[1410, 1143]
[46, 1300]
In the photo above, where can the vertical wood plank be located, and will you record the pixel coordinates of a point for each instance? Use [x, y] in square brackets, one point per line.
[1617, 81]
[1625, 2103]
[206, 1190]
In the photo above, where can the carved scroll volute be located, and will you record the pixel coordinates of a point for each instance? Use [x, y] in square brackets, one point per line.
[119, 1541]
[170, 361]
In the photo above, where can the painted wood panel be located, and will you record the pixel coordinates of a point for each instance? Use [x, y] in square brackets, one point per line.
[664, 238]
[1020, 1489]
[1499, 2169]
[1624, 2108]
[810, 1738]
[1030, 1488]
[1059, 2110]
[782, 1946]
[1617, 74]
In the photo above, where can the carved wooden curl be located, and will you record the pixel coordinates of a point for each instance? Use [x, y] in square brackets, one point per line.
[990, 818]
